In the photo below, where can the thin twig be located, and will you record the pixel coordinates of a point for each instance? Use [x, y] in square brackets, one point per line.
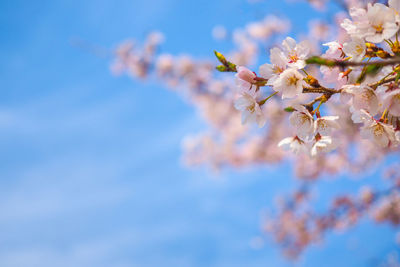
[387, 80]
[339, 63]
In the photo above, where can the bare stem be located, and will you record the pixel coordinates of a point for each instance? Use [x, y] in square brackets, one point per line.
[383, 81]
[262, 102]
[340, 63]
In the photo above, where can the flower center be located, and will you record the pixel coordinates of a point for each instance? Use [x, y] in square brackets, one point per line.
[378, 28]
[277, 70]
[292, 80]
[359, 49]
[378, 130]
[251, 108]
[322, 125]
[293, 58]
[367, 95]
[304, 119]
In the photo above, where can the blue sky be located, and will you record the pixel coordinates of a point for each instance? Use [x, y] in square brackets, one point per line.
[91, 173]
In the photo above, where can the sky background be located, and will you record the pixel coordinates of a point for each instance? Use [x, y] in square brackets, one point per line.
[90, 173]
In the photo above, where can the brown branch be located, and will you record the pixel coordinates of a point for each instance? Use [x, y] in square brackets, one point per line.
[320, 90]
[341, 63]
[387, 80]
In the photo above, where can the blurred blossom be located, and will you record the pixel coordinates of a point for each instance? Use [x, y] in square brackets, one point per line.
[331, 114]
[219, 32]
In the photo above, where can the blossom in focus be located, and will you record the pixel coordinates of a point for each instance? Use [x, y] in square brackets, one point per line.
[378, 132]
[335, 50]
[326, 124]
[323, 144]
[395, 5]
[355, 49]
[333, 75]
[294, 144]
[391, 101]
[296, 54]
[375, 24]
[251, 110]
[290, 83]
[277, 66]
[372, 95]
[303, 122]
[244, 78]
[362, 96]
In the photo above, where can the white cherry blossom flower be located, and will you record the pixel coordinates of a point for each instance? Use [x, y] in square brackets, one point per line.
[244, 79]
[356, 26]
[360, 116]
[296, 54]
[303, 122]
[326, 124]
[362, 96]
[380, 133]
[290, 83]
[382, 23]
[355, 49]
[251, 110]
[365, 98]
[335, 50]
[395, 5]
[294, 144]
[391, 101]
[375, 24]
[323, 144]
[277, 66]
[333, 75]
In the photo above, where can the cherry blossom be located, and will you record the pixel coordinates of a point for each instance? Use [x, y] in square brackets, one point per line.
[325, 125]
[363, 97]
[355, 49]
[395, 5]
[303, 122]
[251, 111]
[391, 101]
[323, 144]
[296, 53]
[375, 24]
[245, 78]
[294, 144]
[340, 108]
[380, 133]
[272, 71]
[290, 83]
[335, 50]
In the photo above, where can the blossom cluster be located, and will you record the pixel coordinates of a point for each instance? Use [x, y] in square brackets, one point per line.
[331, 98]
[346, 67]
[297, 225]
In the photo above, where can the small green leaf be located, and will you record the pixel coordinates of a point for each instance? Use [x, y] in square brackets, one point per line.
[289, 109]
